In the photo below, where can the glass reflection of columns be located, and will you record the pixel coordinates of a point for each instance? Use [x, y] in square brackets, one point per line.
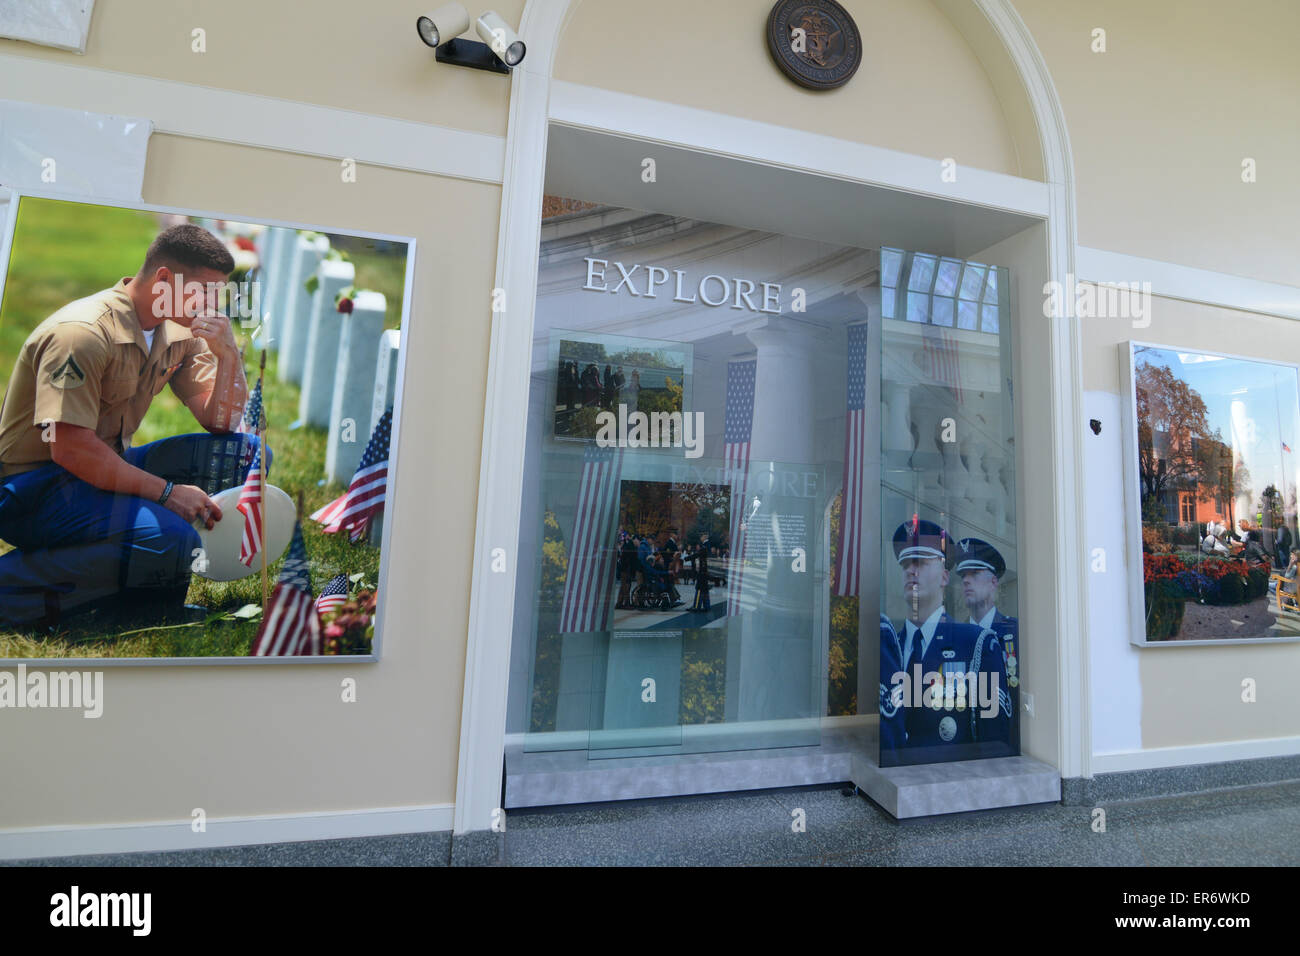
[779, 653]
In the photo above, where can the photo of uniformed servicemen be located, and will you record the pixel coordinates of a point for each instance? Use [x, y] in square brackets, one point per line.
[954, 703]
[94, 520]
[981, 567]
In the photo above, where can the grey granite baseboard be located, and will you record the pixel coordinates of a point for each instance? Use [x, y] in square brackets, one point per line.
[1171, 781]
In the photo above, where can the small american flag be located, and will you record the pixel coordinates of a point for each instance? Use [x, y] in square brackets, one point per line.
[738, 427]
[250, 505]
[590, 572]
[365, 496]
[1285, 446]
[335, 594]
[848, 565]
[254, 420]
[291, 626]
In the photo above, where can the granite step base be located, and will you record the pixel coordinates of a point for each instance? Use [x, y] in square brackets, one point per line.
[931, 789]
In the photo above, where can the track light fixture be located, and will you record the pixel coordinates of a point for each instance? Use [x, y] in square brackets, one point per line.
[500, 51]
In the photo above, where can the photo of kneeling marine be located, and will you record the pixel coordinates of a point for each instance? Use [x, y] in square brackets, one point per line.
[96, 522]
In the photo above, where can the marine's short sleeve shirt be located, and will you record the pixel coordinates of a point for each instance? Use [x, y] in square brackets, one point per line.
[88, 365]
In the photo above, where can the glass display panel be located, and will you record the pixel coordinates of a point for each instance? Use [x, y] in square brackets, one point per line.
[950, 648]
[693, 545]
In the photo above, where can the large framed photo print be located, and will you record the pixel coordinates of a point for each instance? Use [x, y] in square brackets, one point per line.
[1211, 473]
[197, 435]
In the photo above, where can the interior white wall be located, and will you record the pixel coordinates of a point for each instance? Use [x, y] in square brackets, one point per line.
[1044, 674]
[1116, 702]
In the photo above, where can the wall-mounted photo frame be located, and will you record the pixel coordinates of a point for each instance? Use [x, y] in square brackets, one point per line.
[199, 434]
[1211, 476]
[623, 375]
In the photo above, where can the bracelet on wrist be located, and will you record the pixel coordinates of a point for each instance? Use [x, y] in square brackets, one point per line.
[166, 493]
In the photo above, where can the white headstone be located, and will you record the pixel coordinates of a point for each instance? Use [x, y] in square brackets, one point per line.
[385, 376]
[289, 328]
[354, 385]
[320, 335]
[276, 243]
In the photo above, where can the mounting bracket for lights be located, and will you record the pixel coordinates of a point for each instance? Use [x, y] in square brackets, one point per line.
[471, 53]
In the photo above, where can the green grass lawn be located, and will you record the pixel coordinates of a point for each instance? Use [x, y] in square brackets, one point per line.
[63, 251]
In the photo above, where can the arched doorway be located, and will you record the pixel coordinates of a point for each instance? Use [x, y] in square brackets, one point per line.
[1061, 735]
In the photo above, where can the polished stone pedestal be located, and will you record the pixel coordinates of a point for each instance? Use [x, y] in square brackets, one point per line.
[934, 788]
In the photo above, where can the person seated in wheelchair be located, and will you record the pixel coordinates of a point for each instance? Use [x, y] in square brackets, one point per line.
[657, 588]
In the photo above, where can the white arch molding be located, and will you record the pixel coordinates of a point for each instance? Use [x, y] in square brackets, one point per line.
[487, 662]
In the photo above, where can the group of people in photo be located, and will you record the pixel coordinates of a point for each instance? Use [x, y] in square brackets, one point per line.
[651, 566]
[1253, 543]
[589, 388]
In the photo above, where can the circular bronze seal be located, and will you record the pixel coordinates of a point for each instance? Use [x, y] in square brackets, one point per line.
[814, 42]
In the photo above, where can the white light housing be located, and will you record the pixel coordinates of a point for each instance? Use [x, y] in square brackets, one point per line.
[500, 38]
[445, 23]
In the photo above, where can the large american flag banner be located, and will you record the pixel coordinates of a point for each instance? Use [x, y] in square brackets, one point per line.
[848, 566]
[738, 427]
[250, 506]
[592, 549]
[333, 595]
[291, 626]
[365, 496]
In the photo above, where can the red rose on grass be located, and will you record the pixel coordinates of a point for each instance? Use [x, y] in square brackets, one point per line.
[243, 242]
[345, 306]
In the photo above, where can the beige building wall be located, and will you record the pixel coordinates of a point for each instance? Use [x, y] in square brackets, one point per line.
[345, 54]
[1160, 123]
[919, 89]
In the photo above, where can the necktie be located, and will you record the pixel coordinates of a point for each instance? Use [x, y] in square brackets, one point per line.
[918, 638]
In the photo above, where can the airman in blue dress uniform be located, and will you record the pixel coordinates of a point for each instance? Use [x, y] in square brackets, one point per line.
[981, 567]
[892, 731]
[953, 678]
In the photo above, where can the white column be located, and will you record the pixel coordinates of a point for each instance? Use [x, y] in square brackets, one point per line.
[779, 650]
[783, 391]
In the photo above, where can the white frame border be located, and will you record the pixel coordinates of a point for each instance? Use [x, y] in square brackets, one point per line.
[1133, 500]
[385, 556]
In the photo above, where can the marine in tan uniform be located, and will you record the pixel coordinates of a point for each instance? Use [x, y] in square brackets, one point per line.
[94, 519]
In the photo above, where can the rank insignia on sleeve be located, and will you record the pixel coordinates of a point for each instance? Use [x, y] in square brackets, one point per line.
[68, 375]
